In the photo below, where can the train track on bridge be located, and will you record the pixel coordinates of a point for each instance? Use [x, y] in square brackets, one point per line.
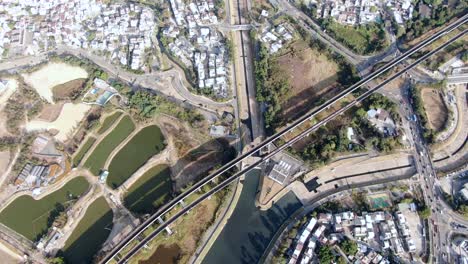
[169, 206]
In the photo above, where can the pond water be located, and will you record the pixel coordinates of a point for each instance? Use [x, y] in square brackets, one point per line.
[164, 255]
[249, 230]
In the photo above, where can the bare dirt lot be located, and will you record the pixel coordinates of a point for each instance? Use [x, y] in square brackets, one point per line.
[68, 119]
[51, 75]
[4, 160]
[311, 74]
[50, 113]
[436, 110]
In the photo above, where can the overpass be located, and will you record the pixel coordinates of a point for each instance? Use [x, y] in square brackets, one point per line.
[455, 79]
[137, 233]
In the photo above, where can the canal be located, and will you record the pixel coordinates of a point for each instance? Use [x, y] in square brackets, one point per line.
[249, 230]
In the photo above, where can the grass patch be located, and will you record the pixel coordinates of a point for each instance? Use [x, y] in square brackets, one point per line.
[84, 149]
[108, 122]
[91, 232]
[98, 158]
[32, 218]
[365, 39]
[151, 190]
[146, 143]
[187, 231]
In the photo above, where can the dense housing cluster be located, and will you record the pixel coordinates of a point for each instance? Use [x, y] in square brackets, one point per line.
[198, 45]
[374, 232]
[355, 12]
[276, 37]
[122, 31]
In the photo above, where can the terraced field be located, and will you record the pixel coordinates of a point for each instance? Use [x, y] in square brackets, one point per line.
[151, 190]
[31, 218]
[83, 150]
[97, 159]
[146, 143]
[90, 234]
[108, 122]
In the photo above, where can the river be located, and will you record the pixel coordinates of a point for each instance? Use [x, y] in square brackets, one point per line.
[248, 232]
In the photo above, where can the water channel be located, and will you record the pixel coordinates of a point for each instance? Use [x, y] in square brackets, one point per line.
[249, 230]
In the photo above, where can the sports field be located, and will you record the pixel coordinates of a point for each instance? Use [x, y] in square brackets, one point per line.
[30, 217]
[83, 150]
[151, 190]
[108, 122]
[98, 158]
[379, 201]
[90, 234]
[146, 143]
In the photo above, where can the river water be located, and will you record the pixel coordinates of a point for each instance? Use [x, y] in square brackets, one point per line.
[249, 230]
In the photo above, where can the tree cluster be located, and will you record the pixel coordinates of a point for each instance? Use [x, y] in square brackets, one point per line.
[147, 105]
[272, 86]
[440, 14]
[418, 106]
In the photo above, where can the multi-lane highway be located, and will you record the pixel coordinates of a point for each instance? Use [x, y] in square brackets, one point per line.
[439, 227]
[278, 135]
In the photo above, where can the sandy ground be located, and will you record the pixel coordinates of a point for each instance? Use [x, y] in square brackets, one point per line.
[436, 110]
[68, 119]
[10, 89]
[50, 112]
[4, 96]
[4, 159]
[8, 256]
[53, 74]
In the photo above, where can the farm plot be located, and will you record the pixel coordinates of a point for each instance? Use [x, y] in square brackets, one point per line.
[151, 190]
[146, 143]
[98, 158]
[51, 75]
[436, 110]
[108, 122]
[90, 234]
[32, 218]
[83, 150]
[311, 76]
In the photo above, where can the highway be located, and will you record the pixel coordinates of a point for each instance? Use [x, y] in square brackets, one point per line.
[439, 227]
[278, 135]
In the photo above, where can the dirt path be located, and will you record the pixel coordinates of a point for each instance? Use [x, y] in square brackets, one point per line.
[8, 255]
[6, 171]
[75, 215]
[161, 158]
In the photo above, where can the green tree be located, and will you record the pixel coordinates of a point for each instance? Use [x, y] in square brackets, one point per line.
[325, 255]
[349, 247]
[56, 260]
[425, 212]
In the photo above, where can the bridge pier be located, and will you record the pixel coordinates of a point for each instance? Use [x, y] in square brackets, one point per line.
[168, 230]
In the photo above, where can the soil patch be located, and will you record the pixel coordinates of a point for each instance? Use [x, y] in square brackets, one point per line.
[311, 76]
[436, 110]
[68, 90]
[50, 112]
